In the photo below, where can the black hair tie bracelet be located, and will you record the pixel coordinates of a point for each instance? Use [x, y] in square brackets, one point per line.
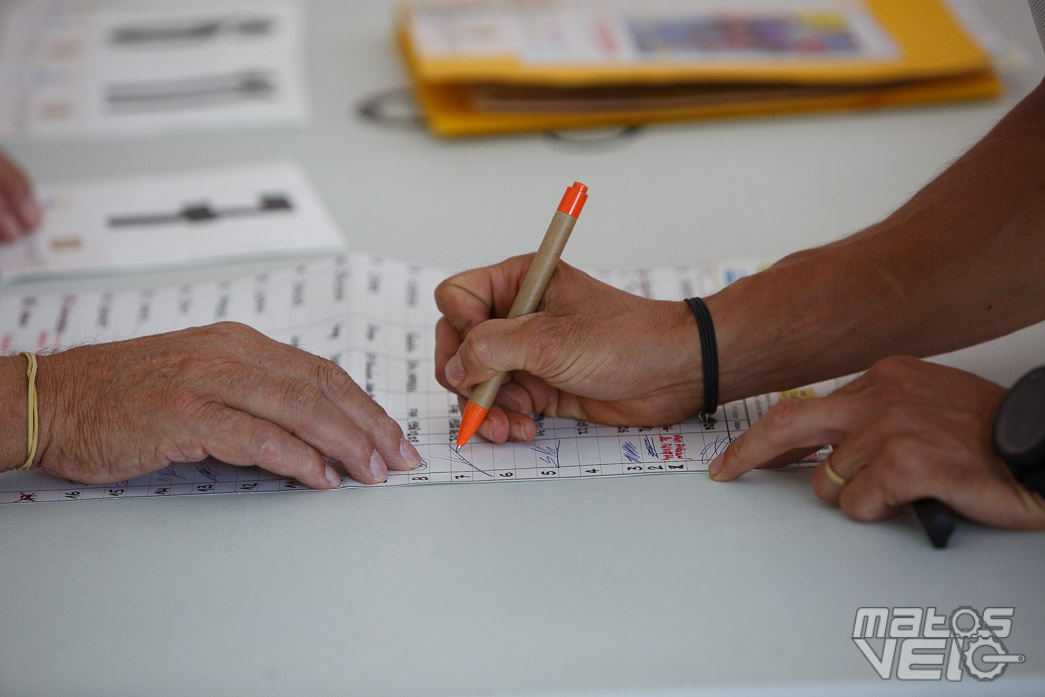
[709, 358]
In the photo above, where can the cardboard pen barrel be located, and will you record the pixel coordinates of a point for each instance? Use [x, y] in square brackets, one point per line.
[532, 291]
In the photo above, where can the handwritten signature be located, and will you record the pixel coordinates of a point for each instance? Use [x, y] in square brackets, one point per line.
[715, 447]
[458, 457]
[631, 451]
[548, 454]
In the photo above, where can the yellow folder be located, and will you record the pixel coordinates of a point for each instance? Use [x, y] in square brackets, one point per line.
[499, 67]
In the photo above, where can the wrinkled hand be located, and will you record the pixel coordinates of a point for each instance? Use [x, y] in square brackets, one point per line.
[905, 430]
[110, 412]
[19, 211]
[590, 352]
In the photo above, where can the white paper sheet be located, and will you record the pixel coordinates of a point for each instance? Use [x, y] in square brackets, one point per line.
[143, 222]
[375, 317]
[120, 69]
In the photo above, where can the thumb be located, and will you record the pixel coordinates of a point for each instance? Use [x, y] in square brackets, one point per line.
[500, 345]
[1000, 501]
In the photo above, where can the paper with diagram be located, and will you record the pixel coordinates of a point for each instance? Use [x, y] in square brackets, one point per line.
[117, 69]
[168, 220]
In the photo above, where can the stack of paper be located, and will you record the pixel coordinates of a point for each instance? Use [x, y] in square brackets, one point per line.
[115, 69]
[510, 65]
[137, 224]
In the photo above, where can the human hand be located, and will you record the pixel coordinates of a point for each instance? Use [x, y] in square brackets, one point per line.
[109, 412]
[591, 352]
[19, 211]
[905, 430]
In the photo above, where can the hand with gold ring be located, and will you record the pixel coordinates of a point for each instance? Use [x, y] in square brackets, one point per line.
[905, 430]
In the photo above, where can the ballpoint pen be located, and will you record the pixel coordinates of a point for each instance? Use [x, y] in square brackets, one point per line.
[528, 298]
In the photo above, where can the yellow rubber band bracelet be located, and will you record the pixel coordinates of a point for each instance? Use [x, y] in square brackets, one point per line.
[33, 428]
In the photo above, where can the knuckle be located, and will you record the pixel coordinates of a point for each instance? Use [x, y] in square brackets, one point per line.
[225, 327]
[270, 449]
[294, 391]
[897, 461]
[893, 419]
[331, 379]
[881, 370]
[783, 413]
[477, 349]
[545, 342]
[193, 409]
[891, 368]
[233, 330]
[779, 420]
[387, 430]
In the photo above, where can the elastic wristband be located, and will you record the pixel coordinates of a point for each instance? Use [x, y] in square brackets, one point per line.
[708, 357]
[32, 439]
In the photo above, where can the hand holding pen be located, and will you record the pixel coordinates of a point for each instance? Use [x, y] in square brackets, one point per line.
[584, 354]
[527, 299]
[907, 430]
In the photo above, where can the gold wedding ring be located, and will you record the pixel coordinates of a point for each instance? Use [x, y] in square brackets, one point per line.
[832, 475]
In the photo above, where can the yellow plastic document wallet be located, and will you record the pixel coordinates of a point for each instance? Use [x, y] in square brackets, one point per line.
[489, 67]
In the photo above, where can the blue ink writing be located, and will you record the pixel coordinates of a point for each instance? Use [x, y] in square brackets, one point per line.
[548, 454]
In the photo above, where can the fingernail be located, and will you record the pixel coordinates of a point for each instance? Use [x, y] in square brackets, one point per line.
[31, 212]
[378, 468]
[714, 469]
[455, 370]
[333, 477]
[520, 431]
[409, 453]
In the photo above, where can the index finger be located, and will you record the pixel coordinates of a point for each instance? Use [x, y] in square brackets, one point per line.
[472, 297]
[300, 408]
[255, 349]
[791, 429]
[447, 343]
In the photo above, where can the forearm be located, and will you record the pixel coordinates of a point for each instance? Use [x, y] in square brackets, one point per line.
[962, 262]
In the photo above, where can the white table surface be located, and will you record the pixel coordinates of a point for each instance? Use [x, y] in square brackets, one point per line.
[653, 585]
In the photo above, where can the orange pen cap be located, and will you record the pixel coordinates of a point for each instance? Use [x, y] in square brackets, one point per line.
[573, 200]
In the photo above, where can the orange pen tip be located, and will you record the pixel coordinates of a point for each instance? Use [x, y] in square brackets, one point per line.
[473, 416]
